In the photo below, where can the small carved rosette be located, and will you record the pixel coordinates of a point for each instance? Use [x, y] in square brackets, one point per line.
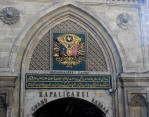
[123, 20]
[9, 15]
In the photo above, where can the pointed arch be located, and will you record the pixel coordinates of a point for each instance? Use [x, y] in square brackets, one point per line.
[95, 55]
[60, 14]
[29, 40]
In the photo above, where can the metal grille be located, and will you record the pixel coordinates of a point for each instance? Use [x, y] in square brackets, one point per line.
[68, 26]
[40, 59]
[95, 59]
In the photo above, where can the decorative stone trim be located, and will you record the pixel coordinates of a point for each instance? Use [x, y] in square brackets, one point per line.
[9, 15]
[134, 79]
[7, 81]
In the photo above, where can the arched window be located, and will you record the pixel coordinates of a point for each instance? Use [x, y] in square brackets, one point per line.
[138, 106]
[2, 106]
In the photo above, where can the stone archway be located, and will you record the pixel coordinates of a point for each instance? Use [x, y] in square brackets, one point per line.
[69, 107]
[34, 55]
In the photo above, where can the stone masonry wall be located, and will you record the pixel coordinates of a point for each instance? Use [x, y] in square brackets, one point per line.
[145, 33]
[127, 40]
[127, 24]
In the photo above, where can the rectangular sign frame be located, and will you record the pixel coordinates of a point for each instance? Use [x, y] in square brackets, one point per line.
[67, 81]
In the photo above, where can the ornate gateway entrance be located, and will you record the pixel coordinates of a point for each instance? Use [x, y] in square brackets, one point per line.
[68, 55]
[69, 107]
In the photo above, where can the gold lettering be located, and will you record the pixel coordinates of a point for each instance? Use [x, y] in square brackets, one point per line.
[64, 94]
[33, 109]
[45, 100]
[46, 94]
[50, 94]
[68, 94]
[55, 95]
[42, 102]
[87, 94]
[72, 94]
[78, 94]
[40, 94]
[83, 94]
[38, 104]
[59, 94]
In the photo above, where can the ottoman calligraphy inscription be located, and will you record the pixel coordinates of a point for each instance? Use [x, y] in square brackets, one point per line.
[59, 81]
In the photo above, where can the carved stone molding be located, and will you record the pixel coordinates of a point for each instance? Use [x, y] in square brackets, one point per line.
[7, 85]
[9, 15]
[7, 81]
[134, 79]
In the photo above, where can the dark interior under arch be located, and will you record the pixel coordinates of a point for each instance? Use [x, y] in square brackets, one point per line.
[69, 107]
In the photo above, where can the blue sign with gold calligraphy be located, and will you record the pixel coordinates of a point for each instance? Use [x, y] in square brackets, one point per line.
[69, 51]
[67, 81]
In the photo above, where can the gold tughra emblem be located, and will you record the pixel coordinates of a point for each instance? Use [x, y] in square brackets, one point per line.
[69, 50]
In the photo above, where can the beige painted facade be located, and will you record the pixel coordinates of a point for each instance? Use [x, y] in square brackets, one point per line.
[117, 35]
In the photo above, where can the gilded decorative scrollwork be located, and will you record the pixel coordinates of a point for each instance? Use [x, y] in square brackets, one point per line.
[69, 50]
